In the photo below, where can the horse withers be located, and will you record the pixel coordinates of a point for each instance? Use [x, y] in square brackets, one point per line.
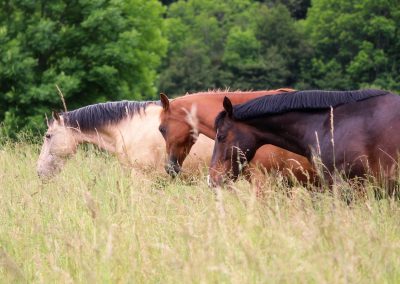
[184, 118]
[127, 128]
[355, 133]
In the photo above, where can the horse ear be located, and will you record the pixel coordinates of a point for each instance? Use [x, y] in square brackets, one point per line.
[56, 115]
[228, 107]
[164, 101]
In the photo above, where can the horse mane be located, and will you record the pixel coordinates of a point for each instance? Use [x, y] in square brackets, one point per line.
[101, 114]
[238, 91]
[300, 100]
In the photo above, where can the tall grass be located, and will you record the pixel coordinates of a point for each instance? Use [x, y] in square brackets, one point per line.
[98, 223]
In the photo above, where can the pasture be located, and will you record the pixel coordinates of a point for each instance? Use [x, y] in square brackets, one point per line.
[98, 223]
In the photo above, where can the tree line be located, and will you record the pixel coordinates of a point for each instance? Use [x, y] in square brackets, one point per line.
[99, 50]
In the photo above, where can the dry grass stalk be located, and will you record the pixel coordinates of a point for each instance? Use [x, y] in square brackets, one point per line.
[182, 232]
[91, 204]
[332, 138]
[62, 98]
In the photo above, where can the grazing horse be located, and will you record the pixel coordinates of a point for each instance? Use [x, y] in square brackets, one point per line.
[185, 117]
[127, 128]
[353, 132]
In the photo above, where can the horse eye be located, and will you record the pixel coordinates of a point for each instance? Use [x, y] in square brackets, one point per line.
[162, 129]
[221, 137]
[48, 136]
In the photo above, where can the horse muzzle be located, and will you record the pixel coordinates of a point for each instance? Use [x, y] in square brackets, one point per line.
[45, 175]
[173, 169]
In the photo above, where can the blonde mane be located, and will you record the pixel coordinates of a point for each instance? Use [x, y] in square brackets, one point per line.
[235, 92]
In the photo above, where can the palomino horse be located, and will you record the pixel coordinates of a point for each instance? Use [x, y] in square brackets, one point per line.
[354, 132]
[185, 117]
[127, 128]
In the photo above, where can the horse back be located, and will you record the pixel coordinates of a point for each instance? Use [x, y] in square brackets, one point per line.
[370, 136]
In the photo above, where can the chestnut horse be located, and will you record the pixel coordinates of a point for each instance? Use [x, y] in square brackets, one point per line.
[127, 128]
[185, 117]
[354, 132]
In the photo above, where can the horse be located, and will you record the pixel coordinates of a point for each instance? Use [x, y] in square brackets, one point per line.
[183, 118]
[128, 129]
[353, 133]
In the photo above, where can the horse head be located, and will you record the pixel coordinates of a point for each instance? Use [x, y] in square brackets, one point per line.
[177, 126]
[234, 147]
[59, 144]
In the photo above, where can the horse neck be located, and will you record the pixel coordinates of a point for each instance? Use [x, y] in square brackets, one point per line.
[132, 131]
[208, 105]
[103, 137]
[141, 128]
[293, 131]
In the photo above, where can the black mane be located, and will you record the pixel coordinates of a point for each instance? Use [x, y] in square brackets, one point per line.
[300, 100]
[99, 115]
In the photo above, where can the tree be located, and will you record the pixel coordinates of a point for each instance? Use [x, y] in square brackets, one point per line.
[167, 2]
[196, 31]
[94, 50]
[235, 43]
[269, 53]
[297, 8]
[356, 44]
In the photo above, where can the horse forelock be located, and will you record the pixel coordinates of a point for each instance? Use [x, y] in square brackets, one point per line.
[192, 119]
[218, 119]
[103, 114]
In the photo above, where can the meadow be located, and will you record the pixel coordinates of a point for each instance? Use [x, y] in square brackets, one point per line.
[97, 222]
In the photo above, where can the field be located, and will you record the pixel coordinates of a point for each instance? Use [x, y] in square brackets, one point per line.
[98, 223]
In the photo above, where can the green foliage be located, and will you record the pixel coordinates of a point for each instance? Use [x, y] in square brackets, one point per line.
[298, 8]
[236, 44]
[356, 44]
[94, 50]
[196, 31]
[111, 50]
[280, 46]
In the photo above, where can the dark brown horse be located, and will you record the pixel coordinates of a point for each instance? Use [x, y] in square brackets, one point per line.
[353, 132]
[184, 118]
